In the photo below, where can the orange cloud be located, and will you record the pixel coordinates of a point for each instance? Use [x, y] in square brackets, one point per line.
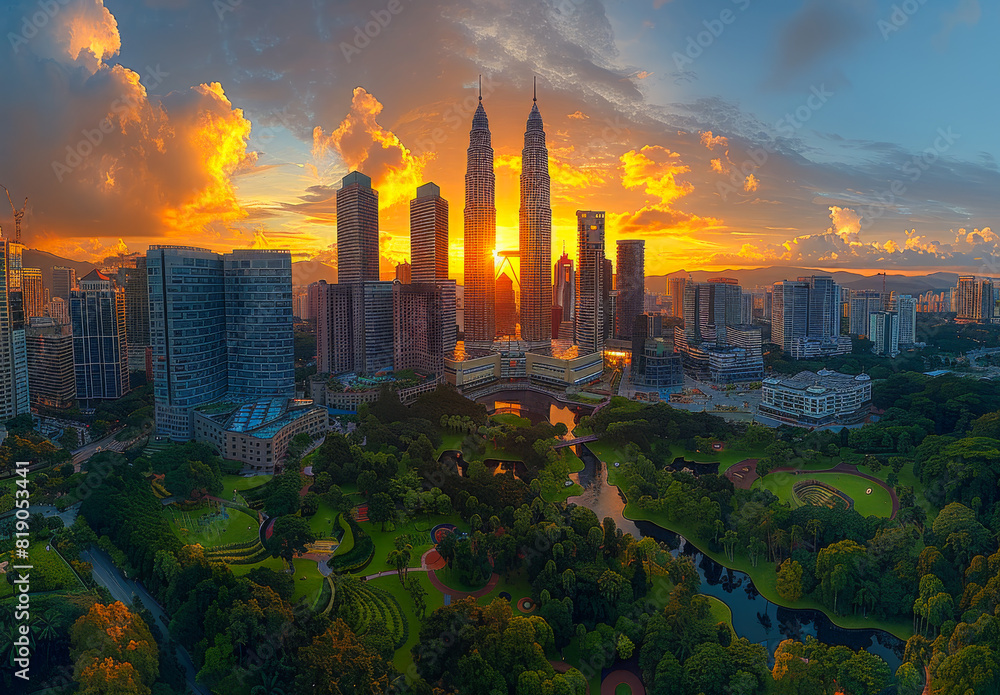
[579, 116]
[751, 183]
[720, 167]
[364, 145]
[710, 141]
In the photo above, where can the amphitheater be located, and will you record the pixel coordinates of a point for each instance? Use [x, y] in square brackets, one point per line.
[819, 494]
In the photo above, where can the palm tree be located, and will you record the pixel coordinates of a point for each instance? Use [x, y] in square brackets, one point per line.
[814, 526]
[729, 543]
[47, 628]
[268, 685]
[400, 559]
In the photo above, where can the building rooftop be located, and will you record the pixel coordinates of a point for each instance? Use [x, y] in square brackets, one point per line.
[261, 416]
[819, 382]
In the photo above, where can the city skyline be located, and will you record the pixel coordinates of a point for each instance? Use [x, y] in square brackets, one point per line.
[715, 161]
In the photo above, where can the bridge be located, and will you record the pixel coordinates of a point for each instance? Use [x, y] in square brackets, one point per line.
[578, 440]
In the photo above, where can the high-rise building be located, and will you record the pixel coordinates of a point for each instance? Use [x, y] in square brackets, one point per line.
[354, 329]
[864, 303]
[14, 398]
[709, 308]
[34, 292]
[675, 288]
[564, 289]
[906, 307]
[424, 325]
[404, 273]
[591, 292]
[220, 327]
[506, 307]
[136, 313]
[976, 300]
[357, 230]
[480, 231]
[631, 283]
[535, 227]
[607, 287]
[883, 331]
[100, 350]
[429, 235]
[63, 281]
[824, 306]
[58, 308]
[259, 342]
[51, 378]
[789, 313]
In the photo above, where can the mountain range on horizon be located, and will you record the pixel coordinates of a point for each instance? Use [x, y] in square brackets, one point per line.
[307, 272]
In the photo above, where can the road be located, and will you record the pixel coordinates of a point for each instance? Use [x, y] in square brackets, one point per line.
[123, 589]
[108, 443]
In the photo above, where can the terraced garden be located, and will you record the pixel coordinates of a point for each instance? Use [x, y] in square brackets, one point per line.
[869, 498]
[364, 606]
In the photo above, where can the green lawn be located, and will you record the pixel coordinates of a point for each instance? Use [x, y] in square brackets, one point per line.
[554, 488]
[877, 503]
[721, 613]
[403, 659]
[48, 573]
[238, 528]
[450, 579]
[322, 522]
[307, 588]
[385, 541]
[764, 577]
[238, 482]
[512, 420]
[623, 689]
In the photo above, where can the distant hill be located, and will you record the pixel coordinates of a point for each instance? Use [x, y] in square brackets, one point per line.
[308, 272]
[33, 258]
[760, 277]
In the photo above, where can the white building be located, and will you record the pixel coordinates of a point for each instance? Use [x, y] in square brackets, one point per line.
[811, 399]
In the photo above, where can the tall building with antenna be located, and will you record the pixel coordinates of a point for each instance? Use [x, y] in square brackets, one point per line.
[535, 232]
[480, 229]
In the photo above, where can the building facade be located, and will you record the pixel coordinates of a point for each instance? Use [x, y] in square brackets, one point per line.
[811, 399]
[864, 303]
[480, 231]
[357, 230]
[100, 349]
[884, 333]
[506, 307]
[424, 325]
[535, 234]
[631, 284]
[428, 235]
[14, 389]
[34, 292]
[51, 376]
[590, 290]
[63, 281]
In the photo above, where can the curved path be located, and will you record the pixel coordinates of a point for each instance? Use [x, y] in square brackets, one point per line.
[850, 470]
[615, 678]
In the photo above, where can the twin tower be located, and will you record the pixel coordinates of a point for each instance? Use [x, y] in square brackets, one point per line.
[535, 233]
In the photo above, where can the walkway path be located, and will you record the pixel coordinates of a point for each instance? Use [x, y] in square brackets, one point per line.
[850, 470]
[578, 440]
[614, 678]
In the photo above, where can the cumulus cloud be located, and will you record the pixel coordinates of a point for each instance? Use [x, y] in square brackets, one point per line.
[364, 145]
[98, 155]
[711, 141]
[751, 184]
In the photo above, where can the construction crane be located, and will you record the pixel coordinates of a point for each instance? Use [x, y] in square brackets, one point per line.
[885, 298]
[18, 214]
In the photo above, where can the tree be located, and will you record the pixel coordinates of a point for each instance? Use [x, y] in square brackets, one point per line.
[289, 535]
[399, 558]
[790, 580]
[381, 508]
[338, 663]
[864, 674]
[909, 680]
[729, 541]
[418, 596]
[113, 651]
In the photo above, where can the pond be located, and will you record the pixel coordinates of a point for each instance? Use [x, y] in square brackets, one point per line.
[536, 407]
[754, 617]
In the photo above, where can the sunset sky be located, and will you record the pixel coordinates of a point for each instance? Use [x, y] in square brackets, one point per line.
[723, 132]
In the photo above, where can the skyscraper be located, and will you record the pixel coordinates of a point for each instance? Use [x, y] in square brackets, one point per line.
[51, 378]
[590, 289]
[34, 292]
[197, 299]
[424, 327]
[357, 230]
[864, 303]
[789, 313]
[100, 353]
[535, 227]
[137, 313]
[404, 272]
[975, 299]
[259, 344]
[63, 280]
[564, 290]
[675, 288]
[906, 306]
[14, 398]
[607, 302]
[883, 331]
[354, 328]
[480, 230]
[506, 307]
[824, 306]
[428, 235]
[631, 283]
